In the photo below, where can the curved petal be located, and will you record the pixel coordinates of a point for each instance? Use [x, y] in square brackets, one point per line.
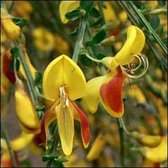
[66, 7]
[62, 71]
[91, 98]
[65, 123]
[133, 45]
[85, 130]
[25, 110]
[20, 142]
[48, 117]
[156, 154]
[111, 95]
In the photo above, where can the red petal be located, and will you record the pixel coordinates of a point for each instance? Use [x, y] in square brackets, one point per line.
[48, 117]
[85, 130]
[111, 92]
[6, 67]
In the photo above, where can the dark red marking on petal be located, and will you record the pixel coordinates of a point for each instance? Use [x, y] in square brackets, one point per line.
[111, 92]
[6, 67]
[85, 130]
[48, 117]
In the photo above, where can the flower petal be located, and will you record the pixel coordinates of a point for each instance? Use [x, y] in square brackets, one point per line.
[25, 110]
[133, 45]
[48, 117]
[66, 7]
[85, 130]
[156, 154]
[111, 94]
[20, 142]
[91, 98]
[62, 71]
[65, 123]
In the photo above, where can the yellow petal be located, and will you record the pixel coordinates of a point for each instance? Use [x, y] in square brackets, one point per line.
[147, 140]
[65, 122]
[25, 110]
[11, 30]
[133, 45]
[97, 147]
[66, 7]
[91, 98]
[20, 142]
[62, 71]
[157, 154]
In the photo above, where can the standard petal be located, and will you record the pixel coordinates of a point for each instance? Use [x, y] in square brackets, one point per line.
[63, 71]
[66, 7]
[85, 130]
[91, 98]
[65, 123]
[133, 45]
[111, 95]
[48, 117]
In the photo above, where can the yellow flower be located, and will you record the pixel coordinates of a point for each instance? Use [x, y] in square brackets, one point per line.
[23, 9]
[61, 45]
[66, 7]
[11, 30]
[64, 82]
[17, 144]
[97, 147]
[156, 154]
[43, 39]
[147, 140]
[25, 110]
[108, 88]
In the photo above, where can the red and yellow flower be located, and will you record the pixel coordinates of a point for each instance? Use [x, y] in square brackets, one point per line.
[108, 88]
[64, 82]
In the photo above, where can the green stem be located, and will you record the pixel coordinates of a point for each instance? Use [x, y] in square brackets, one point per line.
[29, 80]
[4, 132]
[134, 20]
[148, 26]
[79, 41]
[122, 147]
[88, 56]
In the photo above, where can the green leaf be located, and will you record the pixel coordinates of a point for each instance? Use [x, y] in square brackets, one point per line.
[74, 15]
[84, 60]
[94, 13]
[165, 40]
[14, 52]
[98, 23]
[161, 2]
[154, 21]
[87, 5]
[100, 56]
[20, 21]
[13, 63]
[99, 37]
[38, 78]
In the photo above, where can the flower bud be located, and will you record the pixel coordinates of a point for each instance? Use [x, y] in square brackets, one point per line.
[97, 147]
[147, 140]
[24, 110]
[11, 30]
[156, 154]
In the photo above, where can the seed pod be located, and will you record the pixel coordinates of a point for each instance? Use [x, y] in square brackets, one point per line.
[24, 109]
[97, 147]
[147, 140]
[11, 30]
